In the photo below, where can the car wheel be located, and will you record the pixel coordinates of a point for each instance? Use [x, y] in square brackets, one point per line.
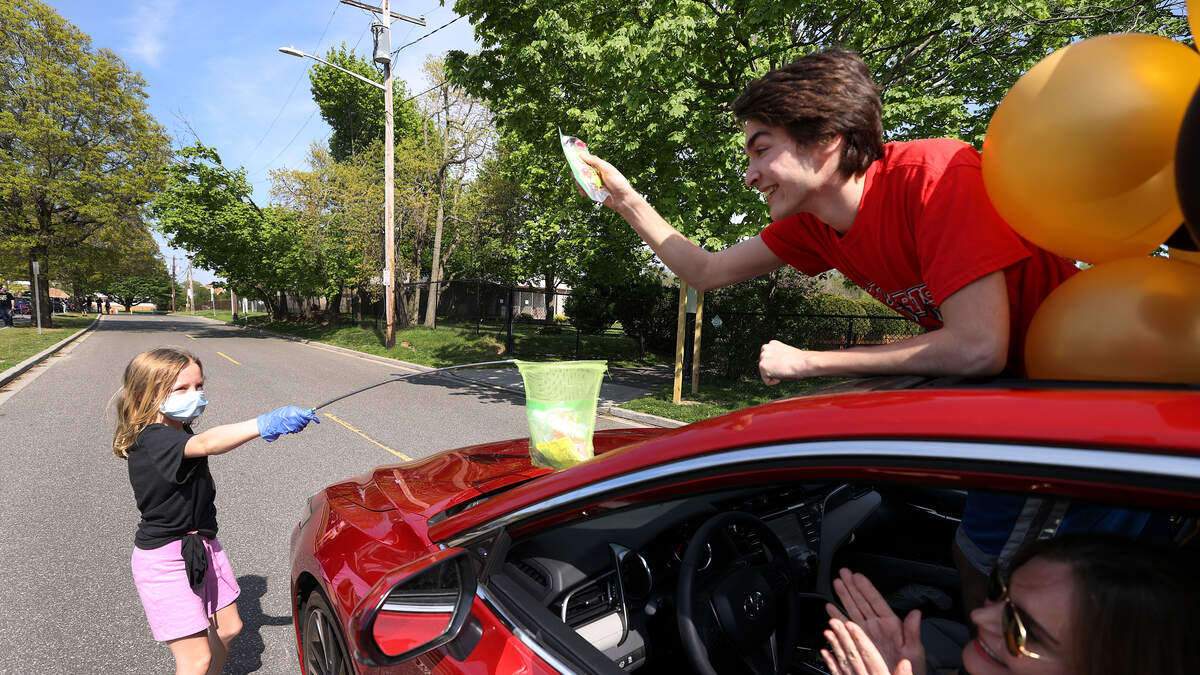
[321, 639]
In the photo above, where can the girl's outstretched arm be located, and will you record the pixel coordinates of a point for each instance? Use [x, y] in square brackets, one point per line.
[222, 439]
[289, 419]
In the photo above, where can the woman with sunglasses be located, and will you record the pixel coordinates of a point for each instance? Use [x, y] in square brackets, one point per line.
[1084, 604]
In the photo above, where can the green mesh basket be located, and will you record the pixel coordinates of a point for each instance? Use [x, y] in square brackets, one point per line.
[560, 405]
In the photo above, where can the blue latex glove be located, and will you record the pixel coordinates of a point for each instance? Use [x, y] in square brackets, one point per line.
[286, 420]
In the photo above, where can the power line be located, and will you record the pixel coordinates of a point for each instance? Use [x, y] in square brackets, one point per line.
[294, 85]
[289, 144]
[397, 50]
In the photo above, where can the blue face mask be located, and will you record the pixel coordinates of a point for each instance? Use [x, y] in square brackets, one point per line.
[184, 407]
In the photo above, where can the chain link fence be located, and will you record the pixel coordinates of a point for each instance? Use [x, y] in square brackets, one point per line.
[533, 323]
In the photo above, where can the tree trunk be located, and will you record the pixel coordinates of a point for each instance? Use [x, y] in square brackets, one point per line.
[434, 269]
[549, 289]
[435, 286]
[42, 305]
[333, 306]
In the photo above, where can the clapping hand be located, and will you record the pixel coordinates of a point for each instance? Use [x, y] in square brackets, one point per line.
[896, 644]
[851, 652]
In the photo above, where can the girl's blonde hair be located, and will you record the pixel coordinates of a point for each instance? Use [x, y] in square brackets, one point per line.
[147, 382]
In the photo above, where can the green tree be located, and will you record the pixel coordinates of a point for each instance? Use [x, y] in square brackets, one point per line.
[206, 209]
[130, 291]
[649, 85]
[78, 150]
[354, 109]
[339, 214]
[461, 140]
[115, 251]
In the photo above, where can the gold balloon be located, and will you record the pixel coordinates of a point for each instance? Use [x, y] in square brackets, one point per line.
[1133, 320]
[1079, 157]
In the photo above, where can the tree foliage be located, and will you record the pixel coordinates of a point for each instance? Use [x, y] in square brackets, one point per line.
[355, 109]
[116, 251]
[134, 290]
[78, 150]
[207, 210]
[649, 84]
[339, 220]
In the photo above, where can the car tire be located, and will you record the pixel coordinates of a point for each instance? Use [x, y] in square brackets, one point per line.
[321, 639]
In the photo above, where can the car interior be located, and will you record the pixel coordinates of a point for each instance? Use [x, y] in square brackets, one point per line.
[736, 579]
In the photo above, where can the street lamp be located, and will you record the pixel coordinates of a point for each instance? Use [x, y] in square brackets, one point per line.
[389, 207]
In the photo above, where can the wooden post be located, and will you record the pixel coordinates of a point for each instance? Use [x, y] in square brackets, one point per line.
[680, 328]
[696, 343]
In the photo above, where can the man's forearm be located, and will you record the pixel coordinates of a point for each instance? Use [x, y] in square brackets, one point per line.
[677, 252]
[935, 353]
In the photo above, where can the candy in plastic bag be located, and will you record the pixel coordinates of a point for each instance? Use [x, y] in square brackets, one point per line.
[585, 175]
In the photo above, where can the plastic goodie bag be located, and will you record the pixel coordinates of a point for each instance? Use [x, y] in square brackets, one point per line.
[585, 175]
[560, 404]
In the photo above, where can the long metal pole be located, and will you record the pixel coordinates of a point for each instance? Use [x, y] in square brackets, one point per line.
[397, 378]
[389, 198]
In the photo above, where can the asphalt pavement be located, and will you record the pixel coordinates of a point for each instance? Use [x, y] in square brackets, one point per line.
[67, 515]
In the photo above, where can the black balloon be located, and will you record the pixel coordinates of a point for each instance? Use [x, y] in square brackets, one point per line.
[1187, 167]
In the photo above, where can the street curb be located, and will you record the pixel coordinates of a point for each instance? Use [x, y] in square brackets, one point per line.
[21, 368]
[644, 418]
[605, 407]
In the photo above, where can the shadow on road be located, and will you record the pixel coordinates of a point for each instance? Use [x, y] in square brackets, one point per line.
[245, 655]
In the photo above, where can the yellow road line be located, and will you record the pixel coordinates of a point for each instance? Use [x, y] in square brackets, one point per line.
[226, 356]
[401, 455]
[190, 337]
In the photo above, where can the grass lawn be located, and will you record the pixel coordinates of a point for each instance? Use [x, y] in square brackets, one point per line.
[452, 344]
[22, 341]
[718, 396]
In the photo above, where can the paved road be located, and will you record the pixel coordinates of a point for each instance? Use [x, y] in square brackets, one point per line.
[67, 514]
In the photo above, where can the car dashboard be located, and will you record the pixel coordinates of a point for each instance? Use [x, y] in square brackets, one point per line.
[612, 577]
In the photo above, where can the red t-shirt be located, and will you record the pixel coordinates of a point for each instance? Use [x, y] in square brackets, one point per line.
[925, 228]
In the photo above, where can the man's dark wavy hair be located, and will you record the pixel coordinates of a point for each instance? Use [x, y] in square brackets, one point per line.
[817, 97]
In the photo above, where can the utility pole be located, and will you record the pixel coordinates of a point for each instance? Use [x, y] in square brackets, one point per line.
[389, 168]
[191, 302]
[383, 55]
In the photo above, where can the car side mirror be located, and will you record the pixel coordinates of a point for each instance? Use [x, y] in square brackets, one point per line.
[414, 608]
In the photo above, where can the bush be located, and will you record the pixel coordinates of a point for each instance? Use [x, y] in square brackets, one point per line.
[592, 308]
[822, 331]
[749, 314]
[646, 310]
[561, 320]
[524, 317]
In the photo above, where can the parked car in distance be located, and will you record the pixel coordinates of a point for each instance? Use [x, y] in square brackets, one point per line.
[711, 547]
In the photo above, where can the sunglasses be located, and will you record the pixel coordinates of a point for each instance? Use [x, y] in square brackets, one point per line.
[1015, 635]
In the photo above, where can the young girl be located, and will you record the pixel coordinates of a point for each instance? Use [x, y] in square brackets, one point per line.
[182, 574]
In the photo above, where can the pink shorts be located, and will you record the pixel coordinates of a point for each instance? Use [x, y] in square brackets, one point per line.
[172, 607]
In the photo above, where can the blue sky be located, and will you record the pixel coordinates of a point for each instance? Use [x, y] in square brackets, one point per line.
[215, 64]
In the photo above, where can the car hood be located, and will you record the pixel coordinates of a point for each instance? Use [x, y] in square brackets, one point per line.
[427, 490]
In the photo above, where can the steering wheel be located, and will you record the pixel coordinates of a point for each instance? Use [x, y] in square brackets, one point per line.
[753, 605]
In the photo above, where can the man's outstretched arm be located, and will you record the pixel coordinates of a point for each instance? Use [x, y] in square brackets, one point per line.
[972, 341]
[702, 270]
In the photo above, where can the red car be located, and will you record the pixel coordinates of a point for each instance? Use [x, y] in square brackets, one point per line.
[710, 548]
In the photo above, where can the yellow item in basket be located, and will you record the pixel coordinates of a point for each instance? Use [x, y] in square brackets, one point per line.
[560, 405]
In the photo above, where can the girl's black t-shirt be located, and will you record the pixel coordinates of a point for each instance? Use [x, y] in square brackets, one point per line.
[175, 494]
